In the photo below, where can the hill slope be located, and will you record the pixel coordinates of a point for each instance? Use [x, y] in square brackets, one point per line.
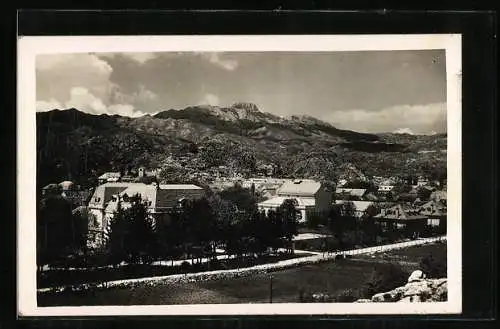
[76, 145]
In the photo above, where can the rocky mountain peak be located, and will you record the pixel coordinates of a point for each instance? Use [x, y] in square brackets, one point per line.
[251, 107]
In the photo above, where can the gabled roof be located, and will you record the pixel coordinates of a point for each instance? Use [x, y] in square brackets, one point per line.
[66, 184]
[359, 192]
[400, 212]
[51, 186]
[433, 208]
[179, 187]
[278, 201]
[108, 175]
[299, 187]
[163, 196]
[359, 205]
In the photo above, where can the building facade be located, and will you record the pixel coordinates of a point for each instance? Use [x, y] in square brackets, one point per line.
[311, 196]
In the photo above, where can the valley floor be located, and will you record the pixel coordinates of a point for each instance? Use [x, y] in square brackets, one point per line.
[331, 277]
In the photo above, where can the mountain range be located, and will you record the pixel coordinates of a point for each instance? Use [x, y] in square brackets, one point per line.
[72, 144]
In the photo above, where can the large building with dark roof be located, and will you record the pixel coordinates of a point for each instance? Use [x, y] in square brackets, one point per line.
[159, 198]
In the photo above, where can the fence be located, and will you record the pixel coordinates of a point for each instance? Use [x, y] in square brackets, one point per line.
[393, 246]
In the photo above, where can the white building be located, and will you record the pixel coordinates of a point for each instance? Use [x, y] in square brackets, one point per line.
[311, 196]
[386, 186]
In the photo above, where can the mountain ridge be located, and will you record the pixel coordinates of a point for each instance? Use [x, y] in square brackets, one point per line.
[80, 144]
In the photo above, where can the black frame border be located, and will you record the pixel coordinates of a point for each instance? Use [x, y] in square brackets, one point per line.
[478, 29]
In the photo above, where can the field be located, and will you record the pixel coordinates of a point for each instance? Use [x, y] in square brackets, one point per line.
[329, 277]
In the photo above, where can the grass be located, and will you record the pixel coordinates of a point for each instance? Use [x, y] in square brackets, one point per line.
[332, 277]
[410, 255]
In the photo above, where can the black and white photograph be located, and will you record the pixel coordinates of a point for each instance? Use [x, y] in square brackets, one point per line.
[239, 175]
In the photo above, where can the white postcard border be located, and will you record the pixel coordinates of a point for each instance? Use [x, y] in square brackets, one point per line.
[29, 47]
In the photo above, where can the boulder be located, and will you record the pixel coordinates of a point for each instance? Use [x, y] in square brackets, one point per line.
[417, 275]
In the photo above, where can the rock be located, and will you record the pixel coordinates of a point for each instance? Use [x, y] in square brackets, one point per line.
[390, 296]
[423, 290]
[418, 288]
[363, 300]
[417, 275]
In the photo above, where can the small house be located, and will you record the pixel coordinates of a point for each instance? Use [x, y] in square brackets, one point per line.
[111, 177]
[435, 211]
[402, 217]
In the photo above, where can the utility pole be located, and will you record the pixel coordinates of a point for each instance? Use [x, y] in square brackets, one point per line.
[271, 289]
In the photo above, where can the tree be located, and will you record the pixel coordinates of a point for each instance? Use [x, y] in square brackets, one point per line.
[241, 197]
[368, 224]
[140, 238]
[289, 214]
[203, 224]
[81, 218]
[131, 235]
[117, 231]
[57, 233]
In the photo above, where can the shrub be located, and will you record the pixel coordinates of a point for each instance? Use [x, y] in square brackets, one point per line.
[434, 266]
[384, 278]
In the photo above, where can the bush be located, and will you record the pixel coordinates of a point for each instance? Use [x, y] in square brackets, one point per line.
[434, 266]
[185, 266]
[384, 278]
[348, 296]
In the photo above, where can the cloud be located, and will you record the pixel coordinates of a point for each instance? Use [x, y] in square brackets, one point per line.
[143, 96]
[209, 99]
[90, 62]
[83, 81]
[419, 119]
[139, 58]
[215, 58]
[57, 74]
[124, 110]
[85, 101]
[43, 106]
[403, 131]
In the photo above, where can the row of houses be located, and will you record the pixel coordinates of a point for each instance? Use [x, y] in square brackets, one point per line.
[359, 194]
[127, 176]
[313, 197]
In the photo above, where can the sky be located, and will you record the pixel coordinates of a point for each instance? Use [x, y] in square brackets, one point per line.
[365, 91]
